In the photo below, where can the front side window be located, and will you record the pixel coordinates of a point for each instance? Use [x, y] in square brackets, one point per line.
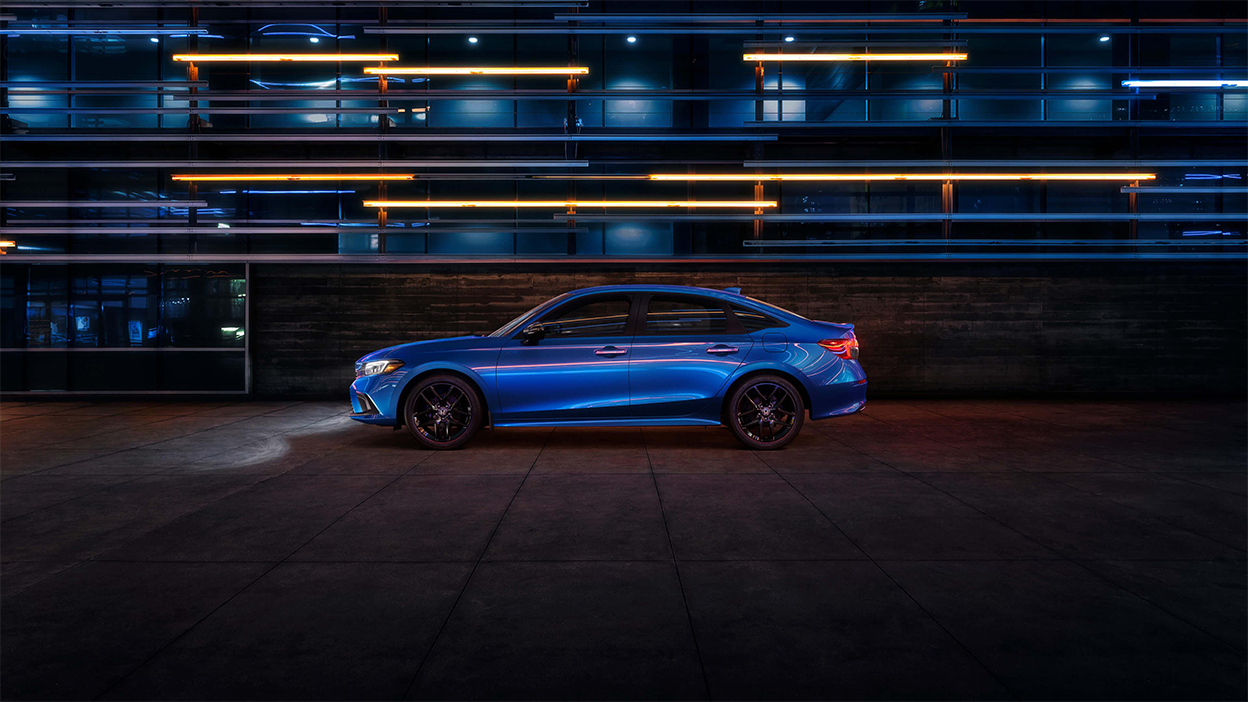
[682, 315]
[594, 317]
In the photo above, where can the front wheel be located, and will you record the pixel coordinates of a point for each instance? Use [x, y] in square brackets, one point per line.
[443, 411]
[766, 412]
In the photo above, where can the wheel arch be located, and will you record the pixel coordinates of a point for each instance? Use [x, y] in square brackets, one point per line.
[755, 370]
[439, 369]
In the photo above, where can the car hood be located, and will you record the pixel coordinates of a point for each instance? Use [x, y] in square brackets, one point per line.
[454, 343]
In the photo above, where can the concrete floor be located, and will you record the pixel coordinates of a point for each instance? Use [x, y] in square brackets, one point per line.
[917, 550]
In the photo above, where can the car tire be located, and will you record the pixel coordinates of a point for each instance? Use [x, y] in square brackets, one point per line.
[443, 412]
[765, 412]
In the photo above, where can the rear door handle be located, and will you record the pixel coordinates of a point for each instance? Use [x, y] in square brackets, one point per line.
[610, 351]
[720, 348]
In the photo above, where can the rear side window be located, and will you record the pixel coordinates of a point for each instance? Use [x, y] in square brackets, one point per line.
[683, 315]
[593, 317]
[755, 321]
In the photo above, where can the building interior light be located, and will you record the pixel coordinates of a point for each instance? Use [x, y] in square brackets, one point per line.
[632, 40]
[477, 70]
[314, 40]
[244, 58]
[291, 176]
[7, 244]
[1216, 83]
[751, 204]
[472, 40]
[854, 57]
[1105, 38]
[853, 177]
[789, 38]
[155, 40]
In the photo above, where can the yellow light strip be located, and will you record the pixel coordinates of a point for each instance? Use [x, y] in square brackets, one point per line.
[475, 71]
[751, 204]
[854, 57]
[243, 58]
[295, 176]
[7, 244]
[901, 176]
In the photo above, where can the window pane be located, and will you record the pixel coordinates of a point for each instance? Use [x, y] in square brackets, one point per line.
[754, 321]
[685, 316]
[597, 317]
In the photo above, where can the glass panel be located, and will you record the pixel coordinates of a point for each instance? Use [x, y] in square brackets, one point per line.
[204, 306]
[672, 315]
[595, 317]
[754, 321]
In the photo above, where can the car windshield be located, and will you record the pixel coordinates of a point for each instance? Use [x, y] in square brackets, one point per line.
[511, 326]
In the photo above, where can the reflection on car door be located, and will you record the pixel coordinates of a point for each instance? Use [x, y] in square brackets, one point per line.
[685, 349]
[577, 371]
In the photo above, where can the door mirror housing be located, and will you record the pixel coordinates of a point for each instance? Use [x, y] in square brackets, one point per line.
[533, 333]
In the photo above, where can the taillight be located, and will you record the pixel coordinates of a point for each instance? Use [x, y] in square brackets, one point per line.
[845, 348]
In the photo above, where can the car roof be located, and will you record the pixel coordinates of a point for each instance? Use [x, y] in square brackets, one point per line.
[686, 289]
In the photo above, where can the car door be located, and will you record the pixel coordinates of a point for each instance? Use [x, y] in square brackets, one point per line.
[685, 349]
[577, 370]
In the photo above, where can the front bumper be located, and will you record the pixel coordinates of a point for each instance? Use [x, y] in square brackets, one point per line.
[371, 397]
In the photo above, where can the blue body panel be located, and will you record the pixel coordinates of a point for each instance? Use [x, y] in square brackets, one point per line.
[617, 381]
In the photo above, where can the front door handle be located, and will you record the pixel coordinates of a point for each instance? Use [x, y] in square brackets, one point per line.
[720, 348]
[610, 351]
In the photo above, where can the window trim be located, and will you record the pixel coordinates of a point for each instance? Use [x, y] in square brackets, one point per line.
[733, 324]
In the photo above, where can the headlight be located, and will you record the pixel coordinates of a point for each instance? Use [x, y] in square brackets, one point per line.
[379, 367]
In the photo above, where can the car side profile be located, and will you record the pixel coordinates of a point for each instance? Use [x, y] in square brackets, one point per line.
[628, 355]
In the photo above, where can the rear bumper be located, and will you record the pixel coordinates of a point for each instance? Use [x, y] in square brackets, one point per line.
[838, 399]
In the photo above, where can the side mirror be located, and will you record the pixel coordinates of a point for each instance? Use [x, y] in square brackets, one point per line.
[533, 333]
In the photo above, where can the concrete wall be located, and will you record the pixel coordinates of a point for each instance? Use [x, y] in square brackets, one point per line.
[931, 329]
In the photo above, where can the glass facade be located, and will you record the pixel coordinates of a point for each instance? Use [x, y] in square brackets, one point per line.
[109, 243]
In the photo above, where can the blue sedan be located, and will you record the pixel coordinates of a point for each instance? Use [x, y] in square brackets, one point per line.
[626, 355]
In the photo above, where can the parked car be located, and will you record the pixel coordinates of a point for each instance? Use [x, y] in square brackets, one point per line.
[628, 355]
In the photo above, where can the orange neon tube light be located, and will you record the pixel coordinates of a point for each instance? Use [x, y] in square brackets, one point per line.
[295, 176]
[477, 71]
[242, 58]
[854, 57]
[751, 204]
[901, 176]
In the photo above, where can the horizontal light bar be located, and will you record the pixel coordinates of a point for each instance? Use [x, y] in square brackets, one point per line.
[900, 176]
[1220, 83]
[752, 204]
[244, 58]
[854, 57]
[477, 71]
[293, 176]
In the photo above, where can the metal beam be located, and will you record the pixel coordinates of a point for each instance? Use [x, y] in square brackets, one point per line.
[38, 204]
[1182, 189]
[332, 136]
[349, 163]
[1005, 163]
[1076, 124]
[580, 260]
[918, 217]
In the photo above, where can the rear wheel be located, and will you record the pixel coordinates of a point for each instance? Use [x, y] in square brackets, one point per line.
[766, 412]
[443, 411]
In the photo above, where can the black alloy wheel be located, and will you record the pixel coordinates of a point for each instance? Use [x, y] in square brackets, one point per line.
[443, 412]
[766, 412]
